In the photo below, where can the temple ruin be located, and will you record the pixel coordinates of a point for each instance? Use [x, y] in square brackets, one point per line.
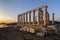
[30, 19]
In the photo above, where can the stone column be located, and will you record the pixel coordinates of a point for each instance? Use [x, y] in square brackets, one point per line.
[41, 15]
[39, 12]
[26, 18]
[18, 18]
[36, 18]
[29, 17]
[53, 18]
[45, 15]
[21, 19]
[33, 16]
[47, 18]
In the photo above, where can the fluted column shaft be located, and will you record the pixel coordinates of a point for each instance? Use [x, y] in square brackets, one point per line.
[39, 12]
[33, 16]
[21, 19]
[45, 16]
[53, 18]
[26, 18]
[41, 17]
[18, 18]
[29, 17]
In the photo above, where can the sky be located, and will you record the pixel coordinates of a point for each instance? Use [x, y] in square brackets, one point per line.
[9, 9]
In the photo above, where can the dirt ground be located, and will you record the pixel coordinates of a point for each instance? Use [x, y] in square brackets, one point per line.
[12, 33]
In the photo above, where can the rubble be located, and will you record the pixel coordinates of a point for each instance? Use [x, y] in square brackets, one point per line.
[15, 34]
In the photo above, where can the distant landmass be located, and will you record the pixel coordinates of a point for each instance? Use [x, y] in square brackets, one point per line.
[56, 22]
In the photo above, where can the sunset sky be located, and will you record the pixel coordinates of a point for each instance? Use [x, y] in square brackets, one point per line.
[9, 9]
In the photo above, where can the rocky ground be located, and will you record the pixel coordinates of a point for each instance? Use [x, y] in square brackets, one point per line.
[12, 33]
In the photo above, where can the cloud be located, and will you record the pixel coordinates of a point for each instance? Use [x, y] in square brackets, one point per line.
[57, 18]
[7, 19]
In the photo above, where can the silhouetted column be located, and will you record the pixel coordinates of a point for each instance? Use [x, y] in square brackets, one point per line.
[39, 12]
[30, 17]
[18, 18]
[45, 16]
[21, 19]
[26, 18]
[33, 16]
[53, 18]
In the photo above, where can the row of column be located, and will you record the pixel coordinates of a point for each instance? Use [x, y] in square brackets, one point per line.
[23, 17]
[41, 15]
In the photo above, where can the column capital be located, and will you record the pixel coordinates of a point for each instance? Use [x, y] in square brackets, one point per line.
[45, 6]
[53, 13]
[18, 15]
[33, 10]
[26, 12]
[39, 9]
[29, 11]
